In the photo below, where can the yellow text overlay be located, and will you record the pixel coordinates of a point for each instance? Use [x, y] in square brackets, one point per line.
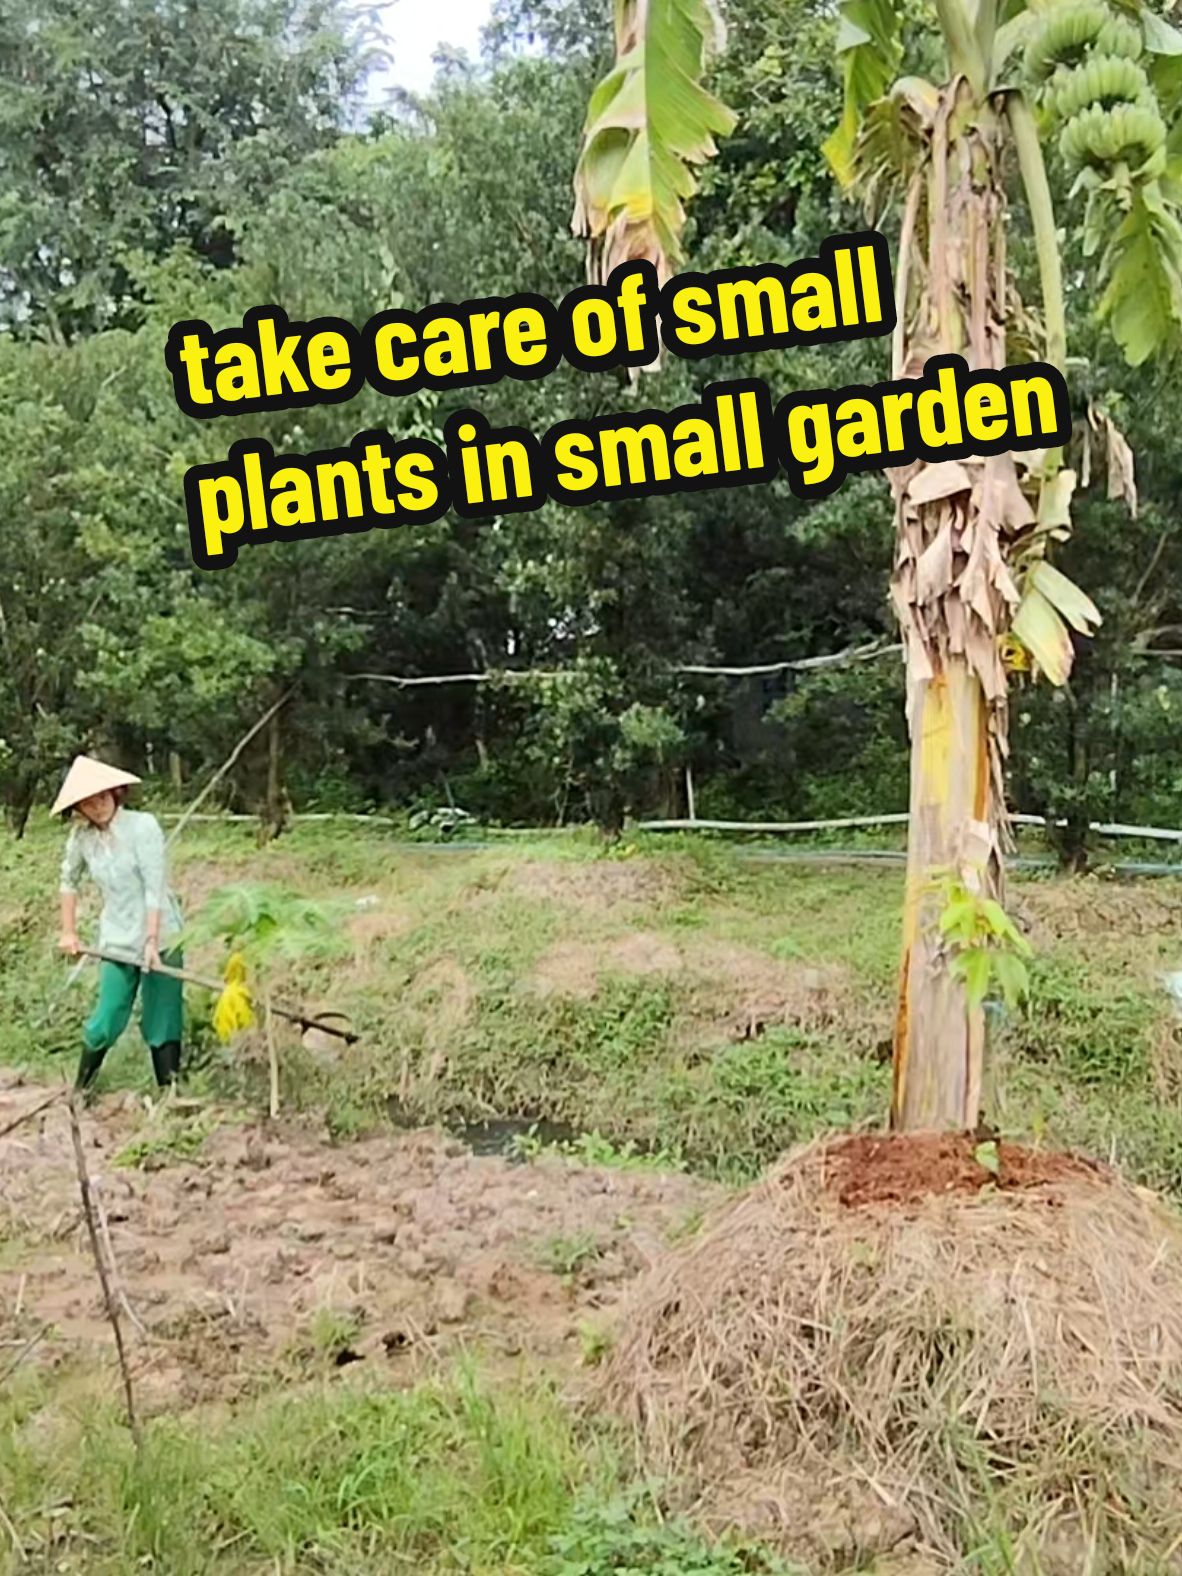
[733, 436]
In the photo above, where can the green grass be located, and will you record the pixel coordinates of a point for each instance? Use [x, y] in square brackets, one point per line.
[567, 1255]
[461, 1475]
[451, 1476]
[168, 1140]
[642, 1064]
[593, 1149]
[321, 1339]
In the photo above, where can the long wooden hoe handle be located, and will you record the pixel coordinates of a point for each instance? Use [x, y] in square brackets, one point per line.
[218, 986]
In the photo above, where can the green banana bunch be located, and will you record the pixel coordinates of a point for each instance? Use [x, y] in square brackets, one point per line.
[1100, 81]
[1063, 35]
[1130, 134]
[1085, 62]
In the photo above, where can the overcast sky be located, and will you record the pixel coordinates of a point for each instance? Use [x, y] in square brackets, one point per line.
[414, 30]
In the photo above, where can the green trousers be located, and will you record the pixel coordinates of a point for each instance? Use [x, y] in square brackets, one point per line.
[161, 1016]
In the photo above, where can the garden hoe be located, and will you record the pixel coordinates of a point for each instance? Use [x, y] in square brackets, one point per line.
[234, 1008]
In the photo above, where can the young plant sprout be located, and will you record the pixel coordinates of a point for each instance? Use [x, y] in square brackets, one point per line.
[261, 928]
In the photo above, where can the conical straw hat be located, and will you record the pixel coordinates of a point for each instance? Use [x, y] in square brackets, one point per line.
[86, 777]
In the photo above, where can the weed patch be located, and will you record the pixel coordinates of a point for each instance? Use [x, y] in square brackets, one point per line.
[452, 1476]
[593, 1149]
[605, 1539]
[565, 1256]
[171, 1142]
[1096, 1028]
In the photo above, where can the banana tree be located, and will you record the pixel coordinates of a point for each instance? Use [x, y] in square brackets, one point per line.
[1094, 86]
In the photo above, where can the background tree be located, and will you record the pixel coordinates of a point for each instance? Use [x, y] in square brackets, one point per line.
[114, 640]
[128, 129]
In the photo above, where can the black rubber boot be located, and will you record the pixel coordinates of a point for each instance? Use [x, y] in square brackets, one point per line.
[166, 1063]
[88, 1065]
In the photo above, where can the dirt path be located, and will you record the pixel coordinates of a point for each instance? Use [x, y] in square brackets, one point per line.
[271, 1251]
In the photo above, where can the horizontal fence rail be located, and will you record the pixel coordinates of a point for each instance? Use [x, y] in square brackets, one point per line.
[834, 659]
[1160, 834]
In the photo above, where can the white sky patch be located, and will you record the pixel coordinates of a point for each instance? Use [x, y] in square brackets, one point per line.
[414, 30]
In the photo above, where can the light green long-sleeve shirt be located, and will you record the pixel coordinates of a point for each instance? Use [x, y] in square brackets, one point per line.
[128, 863]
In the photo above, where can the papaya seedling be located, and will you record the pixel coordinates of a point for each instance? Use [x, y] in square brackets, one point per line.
[260, 928]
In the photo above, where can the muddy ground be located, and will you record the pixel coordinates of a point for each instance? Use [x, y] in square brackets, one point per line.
[271, 1250]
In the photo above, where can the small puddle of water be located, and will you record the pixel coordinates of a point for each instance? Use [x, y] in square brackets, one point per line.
[497, 1135]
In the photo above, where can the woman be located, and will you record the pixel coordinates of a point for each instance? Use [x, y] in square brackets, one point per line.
[123, 852]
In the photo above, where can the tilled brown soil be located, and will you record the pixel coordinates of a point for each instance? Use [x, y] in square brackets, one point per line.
[244, 1260]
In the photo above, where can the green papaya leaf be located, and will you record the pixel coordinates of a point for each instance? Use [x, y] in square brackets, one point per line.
[1013, 978]
[958, 920]
[974, 967]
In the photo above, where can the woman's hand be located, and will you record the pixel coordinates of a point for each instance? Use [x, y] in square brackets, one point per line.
[69, 944]
[151, 955]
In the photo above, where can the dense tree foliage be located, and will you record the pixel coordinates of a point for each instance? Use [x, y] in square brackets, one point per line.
[268, 187]
[129, 128]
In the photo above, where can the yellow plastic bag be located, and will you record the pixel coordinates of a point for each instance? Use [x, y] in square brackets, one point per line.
[235, 1008]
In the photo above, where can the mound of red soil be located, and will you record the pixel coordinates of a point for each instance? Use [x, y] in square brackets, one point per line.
[901, 1168]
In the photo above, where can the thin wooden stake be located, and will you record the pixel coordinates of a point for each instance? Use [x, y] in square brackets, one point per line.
[230, 761]
[272, 1056]
[27, 1116]
[104, 1281]
[34, 1340]
[105, 1229]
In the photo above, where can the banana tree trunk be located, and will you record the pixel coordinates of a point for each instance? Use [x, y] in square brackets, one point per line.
[939, 1036]
[953, 595]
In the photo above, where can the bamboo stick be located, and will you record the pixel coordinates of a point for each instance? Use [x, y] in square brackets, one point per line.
[272, 1056]
[84, 1188]
[230, 760]
[28, 1115]
[33, 1341]
[105, 1231]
